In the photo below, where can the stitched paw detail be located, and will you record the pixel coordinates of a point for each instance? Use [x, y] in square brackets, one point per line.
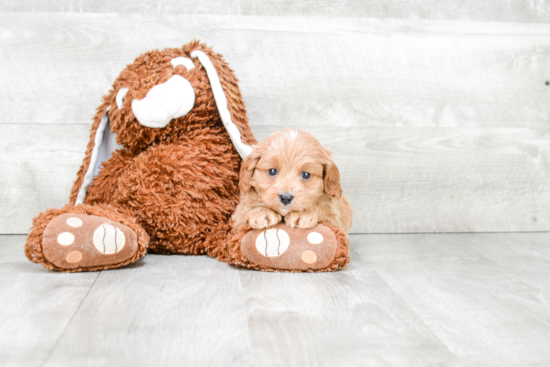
[286, 248]
[273, 242]
[73, 241]
[108, 239]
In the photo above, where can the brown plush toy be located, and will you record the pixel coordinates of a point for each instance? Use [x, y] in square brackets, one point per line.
[161, 174]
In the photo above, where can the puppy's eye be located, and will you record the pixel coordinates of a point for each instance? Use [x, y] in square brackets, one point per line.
[306, 175]
[272, 172]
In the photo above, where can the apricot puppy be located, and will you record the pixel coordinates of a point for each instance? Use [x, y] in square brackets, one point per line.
[290, 176]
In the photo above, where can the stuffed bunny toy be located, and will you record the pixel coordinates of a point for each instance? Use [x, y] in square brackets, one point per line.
[161, 175]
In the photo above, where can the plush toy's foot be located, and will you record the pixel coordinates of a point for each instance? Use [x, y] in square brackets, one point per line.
[283, 248]
[86, 238]
[83, 241]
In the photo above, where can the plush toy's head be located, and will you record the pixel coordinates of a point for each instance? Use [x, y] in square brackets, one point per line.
[165, 93]
[160, 97]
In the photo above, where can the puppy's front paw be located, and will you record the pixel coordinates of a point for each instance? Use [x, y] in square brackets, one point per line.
[260, 218]
[301, 220]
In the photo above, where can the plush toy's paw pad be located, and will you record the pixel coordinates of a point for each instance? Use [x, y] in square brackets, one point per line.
[286, 248]
[73, 241]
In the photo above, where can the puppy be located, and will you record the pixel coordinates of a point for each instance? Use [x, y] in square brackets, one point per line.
[290, 175]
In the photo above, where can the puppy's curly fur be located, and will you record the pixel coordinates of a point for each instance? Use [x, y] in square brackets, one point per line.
[291, 165]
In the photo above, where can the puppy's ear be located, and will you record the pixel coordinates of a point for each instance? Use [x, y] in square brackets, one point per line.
[332, 178]
[247, 169]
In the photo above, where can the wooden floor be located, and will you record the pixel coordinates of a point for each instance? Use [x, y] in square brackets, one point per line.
[405, 300]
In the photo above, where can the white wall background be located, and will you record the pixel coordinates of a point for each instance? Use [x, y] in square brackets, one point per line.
[438, 112]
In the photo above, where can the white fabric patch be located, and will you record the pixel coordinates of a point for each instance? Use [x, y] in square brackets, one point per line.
[221, 102]
[120, 97]
[165, 102]
[74, 222]
[65, 239]
[108, 239]
[104, 145]
[272, 242]
[108, 146]
[188, 63]
[315, 238]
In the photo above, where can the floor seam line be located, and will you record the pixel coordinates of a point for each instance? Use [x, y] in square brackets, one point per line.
[69, 323]
[432, 331]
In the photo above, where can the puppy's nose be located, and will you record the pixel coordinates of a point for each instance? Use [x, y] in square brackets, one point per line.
[286, 198]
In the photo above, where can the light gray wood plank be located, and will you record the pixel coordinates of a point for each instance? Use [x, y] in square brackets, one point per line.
[483, 312]
[350, 318]
[529, 261]
[37, 168]
[509, 11]
[5, 238]
[398, 180]
[162, 311]
[404, 300]
[300, 71]
[37, 305]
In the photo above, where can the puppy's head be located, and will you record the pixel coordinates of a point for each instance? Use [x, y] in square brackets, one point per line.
[291, 171]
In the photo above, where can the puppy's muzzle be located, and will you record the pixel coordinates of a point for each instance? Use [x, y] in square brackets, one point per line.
[285, 199]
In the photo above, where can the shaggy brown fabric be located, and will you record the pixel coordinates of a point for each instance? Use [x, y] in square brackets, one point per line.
[179, 193]
[33, 246]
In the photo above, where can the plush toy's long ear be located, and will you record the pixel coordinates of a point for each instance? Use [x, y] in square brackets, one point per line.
[332, 178]
[247, 169]
[100, 147]
[228, 99]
